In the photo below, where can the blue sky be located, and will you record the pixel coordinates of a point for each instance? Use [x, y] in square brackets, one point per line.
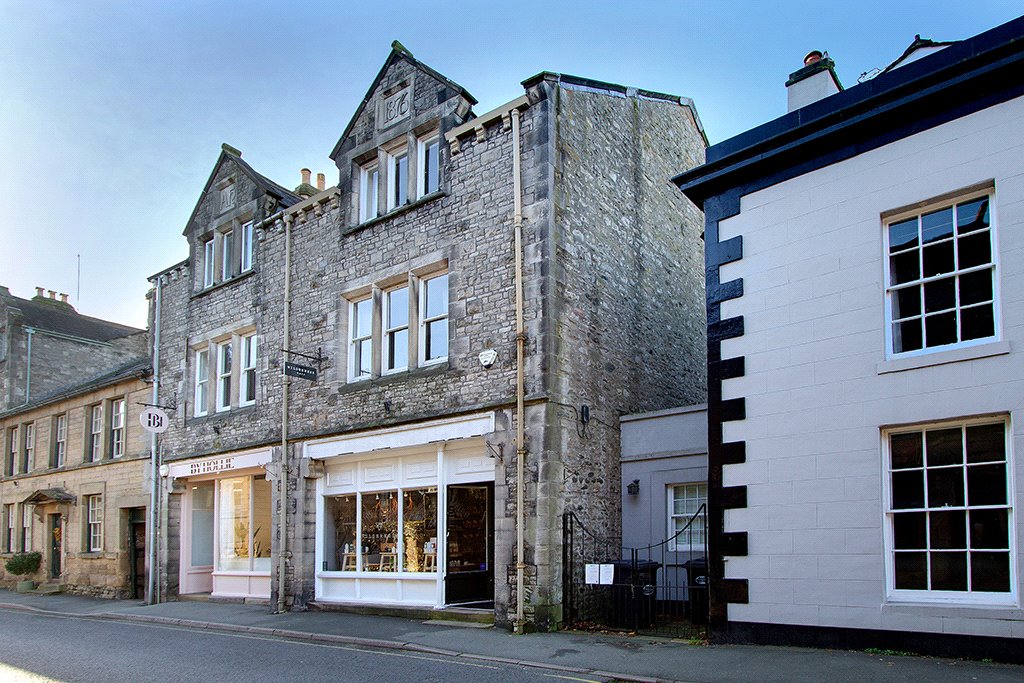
[112, 113]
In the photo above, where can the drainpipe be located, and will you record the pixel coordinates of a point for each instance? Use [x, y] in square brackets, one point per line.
[283, 478]
[520, 383]
[28, 365]
[154, 467]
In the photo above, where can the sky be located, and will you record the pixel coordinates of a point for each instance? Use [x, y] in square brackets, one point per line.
[112, 113]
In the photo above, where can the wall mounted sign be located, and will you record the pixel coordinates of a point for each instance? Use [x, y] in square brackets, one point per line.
[154, 420]
[296, 370]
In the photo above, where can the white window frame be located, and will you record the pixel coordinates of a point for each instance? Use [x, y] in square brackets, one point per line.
[9, 514]
[94, 523]
[225, 357]
[422, 145]
[247, 369]
[369, 191]
[993, 267]
[61, 440]
[29, 447]
[423, 320]
[118, 418]
[227, 243]
[394, 183]
[387, 330]
[355, 341]
[904, 595]
[209, 262]
[26, 528]
[96, 432]
[700, 535]
[202, 381]
[248, 233]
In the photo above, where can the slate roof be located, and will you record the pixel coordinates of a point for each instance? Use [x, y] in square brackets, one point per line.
[140, 368]
[60, 317]
[51, 496]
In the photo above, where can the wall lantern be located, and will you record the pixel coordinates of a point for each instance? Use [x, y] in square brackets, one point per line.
[633, 488]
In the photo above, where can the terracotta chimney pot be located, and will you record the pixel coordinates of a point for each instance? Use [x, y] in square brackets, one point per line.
[305, 176]
[321, 181]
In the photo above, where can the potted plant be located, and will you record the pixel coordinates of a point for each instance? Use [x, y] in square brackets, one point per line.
[23, 564]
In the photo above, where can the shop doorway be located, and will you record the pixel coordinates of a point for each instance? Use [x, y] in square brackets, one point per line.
[56, 536]
[137, 552]
[469, 567]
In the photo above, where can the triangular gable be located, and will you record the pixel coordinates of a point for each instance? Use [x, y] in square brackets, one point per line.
[916, 45]
[398, 53]
[265, 184]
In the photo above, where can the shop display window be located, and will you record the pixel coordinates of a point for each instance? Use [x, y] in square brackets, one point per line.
[375, 519]
[244, 524]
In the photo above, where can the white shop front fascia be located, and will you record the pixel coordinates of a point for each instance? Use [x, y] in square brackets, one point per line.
[225, 525]
[405, 515]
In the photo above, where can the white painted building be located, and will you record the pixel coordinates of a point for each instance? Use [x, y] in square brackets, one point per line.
[866, 358]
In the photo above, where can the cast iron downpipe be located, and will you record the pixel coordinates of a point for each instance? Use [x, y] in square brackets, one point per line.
[154, 467]
[520, 382]
[283, 476]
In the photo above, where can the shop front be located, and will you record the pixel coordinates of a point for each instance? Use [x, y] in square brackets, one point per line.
[225, 525]
[406, 515]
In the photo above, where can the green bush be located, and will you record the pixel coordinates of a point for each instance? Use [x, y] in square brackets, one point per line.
[24, 563]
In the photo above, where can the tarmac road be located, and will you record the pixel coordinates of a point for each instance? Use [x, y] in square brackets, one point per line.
[43, 648]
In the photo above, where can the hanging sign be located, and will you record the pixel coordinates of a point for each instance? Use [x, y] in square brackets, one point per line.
[303, 371]
[154, 420]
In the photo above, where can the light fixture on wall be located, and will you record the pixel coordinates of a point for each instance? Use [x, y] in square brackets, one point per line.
[633, 488]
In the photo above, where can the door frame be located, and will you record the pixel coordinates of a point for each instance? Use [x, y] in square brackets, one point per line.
[56, 549]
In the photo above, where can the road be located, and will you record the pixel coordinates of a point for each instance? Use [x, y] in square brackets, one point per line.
[42, 648]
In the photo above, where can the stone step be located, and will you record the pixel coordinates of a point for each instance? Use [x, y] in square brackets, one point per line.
[49, 588]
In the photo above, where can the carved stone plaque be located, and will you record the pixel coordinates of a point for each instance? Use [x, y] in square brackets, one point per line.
[395, 108]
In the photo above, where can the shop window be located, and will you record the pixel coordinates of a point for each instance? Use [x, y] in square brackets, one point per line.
[94, 523]
[60, 440]
[684, 502]
[434, 319]
[118, 411]
[244, 528]
[948, 513]
[28, 451]
[94, 446]
[396, 329]
[941, 278]
[247, 379]
[395, 529]
[428, 159]
[202, 388]
[202, 524]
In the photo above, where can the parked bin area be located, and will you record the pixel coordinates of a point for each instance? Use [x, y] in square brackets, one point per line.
[634, 594]
[697, 587]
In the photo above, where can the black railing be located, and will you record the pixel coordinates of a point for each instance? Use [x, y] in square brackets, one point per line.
[658, 589]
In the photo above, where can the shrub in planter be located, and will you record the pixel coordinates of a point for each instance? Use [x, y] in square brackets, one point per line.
[22, 564]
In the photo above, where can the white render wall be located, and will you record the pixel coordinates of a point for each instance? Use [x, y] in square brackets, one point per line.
[817, 394]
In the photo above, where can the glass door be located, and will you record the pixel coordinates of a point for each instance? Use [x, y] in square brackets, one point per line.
[469, 569]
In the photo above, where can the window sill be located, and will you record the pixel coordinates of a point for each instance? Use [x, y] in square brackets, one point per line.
[997, 348]
[392, 377]
[223, 283]
[91, 555]
[996, 610]
[222, 414]
[426, 199]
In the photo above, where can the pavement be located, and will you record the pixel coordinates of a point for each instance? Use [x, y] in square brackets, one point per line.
[571, 654]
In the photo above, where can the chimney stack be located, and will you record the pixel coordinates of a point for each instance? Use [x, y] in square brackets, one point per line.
[305, 176]
[53, 294]
[321, 182]
[63, 298]
[815, 81]
[40, 292]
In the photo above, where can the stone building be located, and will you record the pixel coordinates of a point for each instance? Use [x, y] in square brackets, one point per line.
[73, 484]
[402, 456]
[865, 261]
